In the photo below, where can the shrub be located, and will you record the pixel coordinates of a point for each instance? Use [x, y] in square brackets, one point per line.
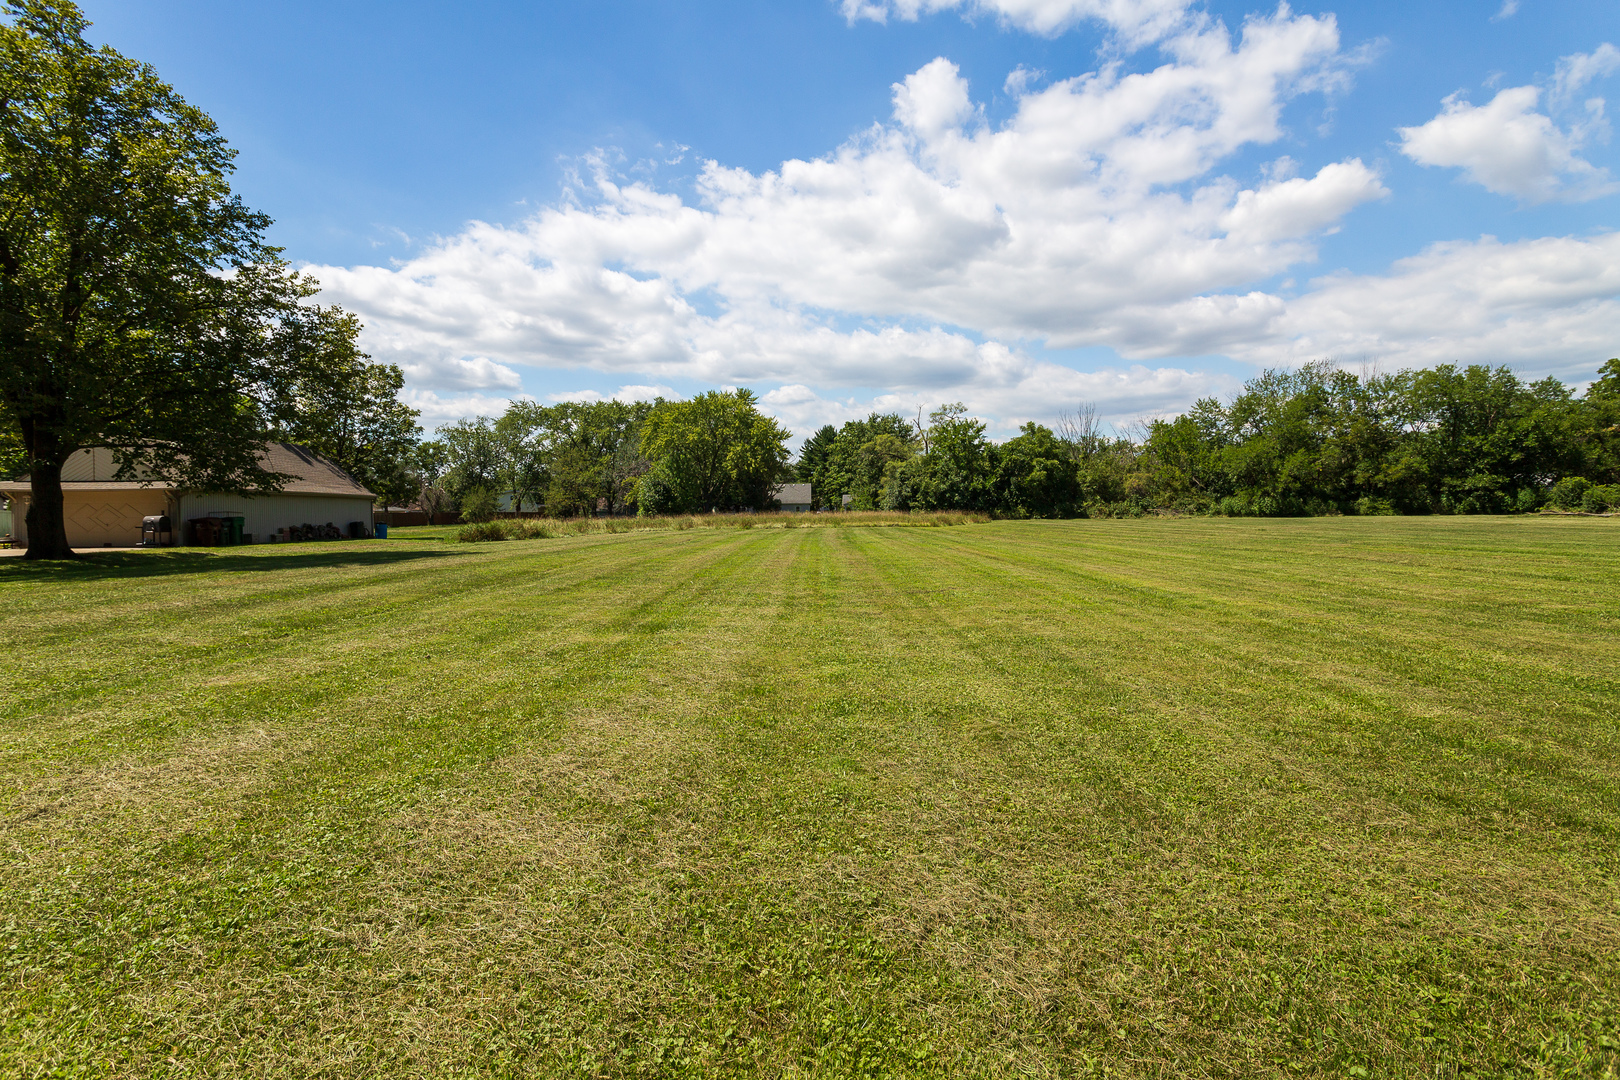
[480, 532]
[1367, 506]
[1600, 497]
[1568, 492]
[1527, 501]
[483, 531]
[479, 505]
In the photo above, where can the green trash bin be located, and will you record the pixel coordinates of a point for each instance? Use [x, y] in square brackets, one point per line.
[230, 529]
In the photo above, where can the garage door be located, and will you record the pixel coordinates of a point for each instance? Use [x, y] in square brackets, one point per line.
[98, 520]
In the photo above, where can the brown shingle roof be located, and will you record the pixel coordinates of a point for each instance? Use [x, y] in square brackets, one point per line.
[315, 475]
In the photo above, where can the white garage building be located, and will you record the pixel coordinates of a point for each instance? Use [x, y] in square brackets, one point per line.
[103, 512]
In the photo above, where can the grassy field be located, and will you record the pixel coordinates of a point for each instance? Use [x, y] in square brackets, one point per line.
[1226, 798]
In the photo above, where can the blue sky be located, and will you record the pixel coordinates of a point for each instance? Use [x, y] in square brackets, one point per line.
[1026, 245]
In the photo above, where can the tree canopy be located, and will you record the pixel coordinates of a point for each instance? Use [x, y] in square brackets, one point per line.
[716, 451]
[1313, 440]
[342, 406]
[567, 459]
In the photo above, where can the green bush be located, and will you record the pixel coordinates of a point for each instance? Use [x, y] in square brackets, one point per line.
[481, 531]
[1600, 498]
[479, 505]
[1368, 506]
[1529, 499]
[515, 529]
[1568, 493]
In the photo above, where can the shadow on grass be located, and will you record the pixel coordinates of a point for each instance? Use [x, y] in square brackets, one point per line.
[97, 566]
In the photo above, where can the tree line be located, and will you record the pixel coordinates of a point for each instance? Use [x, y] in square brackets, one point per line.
[1447, 439]
[714, 452]
[1316, 440]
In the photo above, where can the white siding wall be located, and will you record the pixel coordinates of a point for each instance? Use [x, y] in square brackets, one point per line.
[267, 513]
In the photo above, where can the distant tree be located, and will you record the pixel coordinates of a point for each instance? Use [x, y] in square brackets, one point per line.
[1036, 476]
[430, 460]
[1102, 462]
[624, 471]
[959, 466]
[1487, 438]
[811, 467]
[858, 457]
[479, 504]
[433, 499]
[522, 449]
[577, 475]
[140, 308]
[1182, 456]
[714, 452]
[571, 456]
[957, 472]
[1600, 434]
[13, 457]
[473, 457]
[597, 448]
[349, 410]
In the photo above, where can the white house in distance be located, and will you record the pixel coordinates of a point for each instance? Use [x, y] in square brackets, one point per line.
[103, 512]
[795, 498]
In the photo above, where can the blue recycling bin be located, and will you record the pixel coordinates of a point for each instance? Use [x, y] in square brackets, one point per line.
[380, 530]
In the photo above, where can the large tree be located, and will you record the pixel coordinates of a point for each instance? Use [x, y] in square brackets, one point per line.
[714, 452]
[475, 456]
[140, 307]
[856, 458]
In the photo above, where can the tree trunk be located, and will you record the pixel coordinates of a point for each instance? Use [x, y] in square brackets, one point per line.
[47, 524]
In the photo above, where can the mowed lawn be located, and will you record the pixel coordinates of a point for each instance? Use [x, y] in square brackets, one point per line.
[1203, 797]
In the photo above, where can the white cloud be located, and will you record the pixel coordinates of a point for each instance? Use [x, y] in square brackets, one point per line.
[1019, 79]
[933, 100]
[1036, 392]
[1508, 9]
[1544, 306]
[1296, 207]
[437, 410]
[460, 373]
[1097, 193]
[1508, 147]
[1578, 69]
